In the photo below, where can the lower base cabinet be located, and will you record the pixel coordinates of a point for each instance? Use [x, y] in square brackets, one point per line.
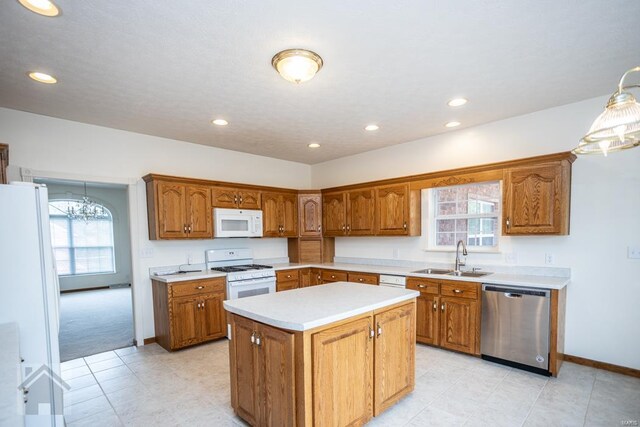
[337, 375]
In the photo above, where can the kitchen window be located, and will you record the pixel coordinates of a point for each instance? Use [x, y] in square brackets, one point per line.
[465, 212]
[81, 247]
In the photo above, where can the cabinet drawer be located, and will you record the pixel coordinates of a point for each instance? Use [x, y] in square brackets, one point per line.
[197, 287]
[426, 286]
[333, 276]
[459, 289]
[366, 278]
[288, 275]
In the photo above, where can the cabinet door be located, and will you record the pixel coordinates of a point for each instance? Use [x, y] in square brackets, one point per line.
[334, 210]
[427, 319]
[315, 278]
[270, 214]
[361, 212]
[244, 374]
[224, 197]
[305, 277]
[289, 215]
[199, 213]
[343, 374]
[310, 215]
[185, 325]
[536, 200]
[276, 385]
[395, 350]
[212, 317]
[458, 323]
[172, 210]
[248, 199]
[392, 210]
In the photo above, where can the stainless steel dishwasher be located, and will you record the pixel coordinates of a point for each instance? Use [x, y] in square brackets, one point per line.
[515, 327]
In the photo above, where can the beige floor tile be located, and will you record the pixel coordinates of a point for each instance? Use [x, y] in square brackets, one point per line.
[70, 364]
[105, 364]
[81, 382]
[434, 417]
[100, 357]
[119, 383]
[75, 373]
[103, 419]
[107, 374]
[126, 350]
[87, 408]
[76, 396]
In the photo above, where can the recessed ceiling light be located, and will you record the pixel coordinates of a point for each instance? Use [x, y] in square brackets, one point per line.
[42, 77]
[41, 7]
[220, 122]
[297, 65]
[452, 124]
[371, 128]
[314, 145]
[457, 102]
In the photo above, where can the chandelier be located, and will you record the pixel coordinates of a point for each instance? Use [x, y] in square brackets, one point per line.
[86, 209]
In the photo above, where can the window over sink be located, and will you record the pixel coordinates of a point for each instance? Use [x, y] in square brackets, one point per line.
[469, 212]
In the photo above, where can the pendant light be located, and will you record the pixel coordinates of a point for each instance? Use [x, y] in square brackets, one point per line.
[297, 65]
[86, 209]
[618, 127]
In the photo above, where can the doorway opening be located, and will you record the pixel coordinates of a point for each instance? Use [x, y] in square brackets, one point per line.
[91, 243]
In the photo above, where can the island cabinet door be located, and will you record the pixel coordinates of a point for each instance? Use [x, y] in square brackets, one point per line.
[244, 370]
[394, 355]
[276, 379]
[343, 374]
[458, 324]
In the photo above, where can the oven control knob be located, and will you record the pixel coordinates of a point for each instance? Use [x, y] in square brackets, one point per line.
[539, 359]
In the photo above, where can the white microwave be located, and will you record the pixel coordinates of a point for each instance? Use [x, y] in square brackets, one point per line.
[237, 223]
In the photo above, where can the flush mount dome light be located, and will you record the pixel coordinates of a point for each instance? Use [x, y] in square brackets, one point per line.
[314, 145]
[220, 122]
[457, 102]
[452, 124]
[297, 65]
[41, 7]
[42, 77]
[371, 127]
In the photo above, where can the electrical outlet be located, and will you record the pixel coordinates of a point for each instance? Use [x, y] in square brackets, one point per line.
[511, 258]
[633, 252]
[189, 258]
[146, 252]
[549, 258]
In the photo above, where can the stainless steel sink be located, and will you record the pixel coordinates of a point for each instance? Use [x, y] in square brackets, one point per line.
[433, 271]
[468, 273]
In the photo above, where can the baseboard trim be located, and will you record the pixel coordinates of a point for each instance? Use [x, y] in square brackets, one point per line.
[149, 340]
[602, 365]
[68, 291]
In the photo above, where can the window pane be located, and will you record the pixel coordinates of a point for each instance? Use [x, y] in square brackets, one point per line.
[93, 260]
[59, 232]
[63, 260]
[447, 195]
[446, 225]
[445, 239]
[446, 209]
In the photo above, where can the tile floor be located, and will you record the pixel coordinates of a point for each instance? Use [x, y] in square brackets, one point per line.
[149, 386]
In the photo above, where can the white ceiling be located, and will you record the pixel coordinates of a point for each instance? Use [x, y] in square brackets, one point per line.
[168, 68]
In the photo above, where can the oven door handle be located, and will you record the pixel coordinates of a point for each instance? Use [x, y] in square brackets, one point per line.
[237, 283]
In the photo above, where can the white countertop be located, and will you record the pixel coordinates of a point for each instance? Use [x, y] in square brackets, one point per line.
[307, 308]
[541, 282]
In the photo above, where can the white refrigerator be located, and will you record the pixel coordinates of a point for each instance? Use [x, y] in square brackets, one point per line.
[29, 296]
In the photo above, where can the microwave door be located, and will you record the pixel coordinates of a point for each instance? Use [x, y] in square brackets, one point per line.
[233, 226]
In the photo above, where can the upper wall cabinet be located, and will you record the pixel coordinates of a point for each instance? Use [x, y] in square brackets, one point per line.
[178, 211]
[235, 198]
[310, 210]
[537, 199]
[280, 214]
[398, 211]
[334, 214]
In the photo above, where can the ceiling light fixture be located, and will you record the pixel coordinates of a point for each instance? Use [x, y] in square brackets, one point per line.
[457, 102]
[42, 77]
[452, 124]
[41, 7]
[220, 122]
[371, 128]
[86, 209]
[314, 145]
[618, 126]
[297, 65]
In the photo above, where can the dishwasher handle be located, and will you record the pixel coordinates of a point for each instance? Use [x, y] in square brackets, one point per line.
[513, 292]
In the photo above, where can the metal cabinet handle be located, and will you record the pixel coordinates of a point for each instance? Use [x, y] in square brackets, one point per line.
[333, 277]
[422, 286]
[319, 228]
[258, 340]
[288, 276]
[458, 291]
[235, 198]
[371, 333]
[404, 225]
[508, 223]
[189, 228]
[435, 306]
[199, 287]
[379, 329]
[240, 199]
[343, 227]
[185, 228]
[253, 338]
[442, 307]
[203, 305]
[348, 227]
[198, 306]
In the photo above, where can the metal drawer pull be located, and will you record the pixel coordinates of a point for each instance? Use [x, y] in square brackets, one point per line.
[333, 277]
[422, 286]
[361, 279]
[199, 287]
[458, 291]
[510, 295]
[288, 276]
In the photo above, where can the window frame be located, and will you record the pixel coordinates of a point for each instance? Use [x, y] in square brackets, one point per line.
[432, 218]
[71, 249]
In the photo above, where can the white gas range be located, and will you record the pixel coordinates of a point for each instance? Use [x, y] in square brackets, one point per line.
[244, 278]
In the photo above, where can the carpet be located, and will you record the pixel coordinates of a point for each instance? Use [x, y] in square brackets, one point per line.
[95, 321]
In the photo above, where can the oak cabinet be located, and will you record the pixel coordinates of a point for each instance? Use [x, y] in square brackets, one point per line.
[262, 373]
[287, 280]
[280, 214]
[397, 211]
[187, 313]
[179, 211]
[343, 396]
[330, 276]
[349, 213]
[364, 278]
[536, 199]
[235, 198]
[310, 210]
[447, 314]
[334, 214]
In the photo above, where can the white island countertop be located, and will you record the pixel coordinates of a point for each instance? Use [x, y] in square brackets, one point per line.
[307, 308]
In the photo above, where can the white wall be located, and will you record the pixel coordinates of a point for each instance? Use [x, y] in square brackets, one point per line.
[116, 200]
[58, 148]
[604, 295]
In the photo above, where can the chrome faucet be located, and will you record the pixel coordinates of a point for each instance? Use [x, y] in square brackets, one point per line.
[464, 252]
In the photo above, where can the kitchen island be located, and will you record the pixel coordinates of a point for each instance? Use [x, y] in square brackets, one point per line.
[335, 354]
